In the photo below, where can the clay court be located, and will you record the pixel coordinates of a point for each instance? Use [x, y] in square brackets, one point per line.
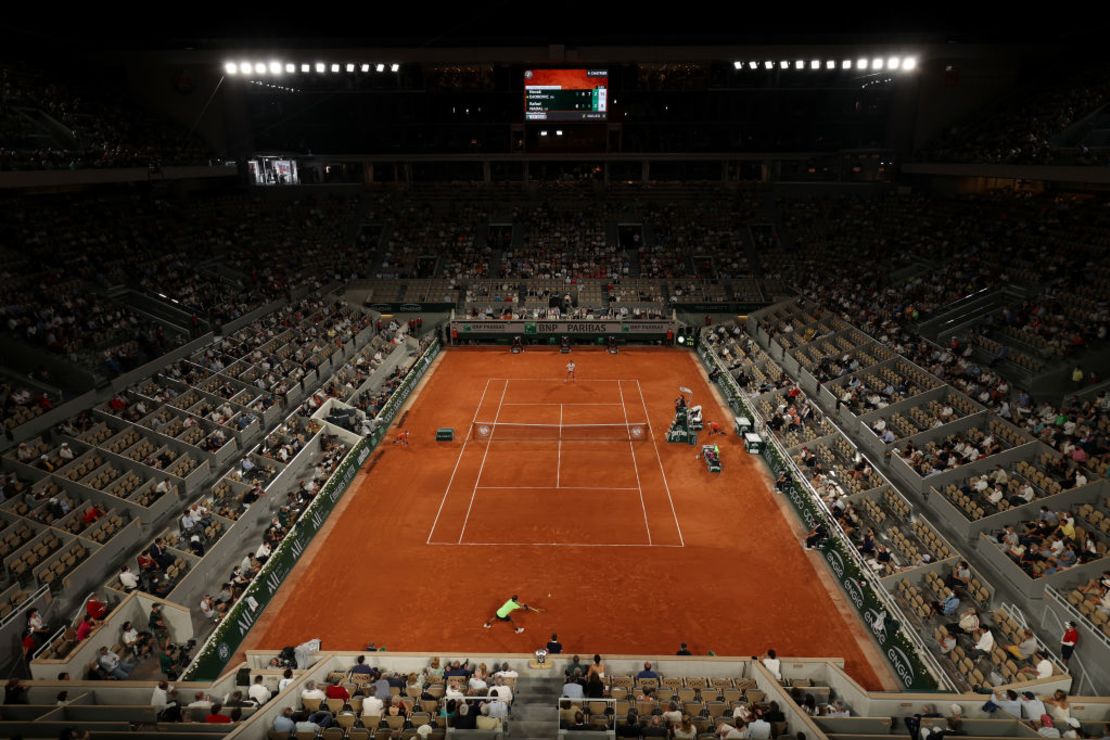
[569, 495]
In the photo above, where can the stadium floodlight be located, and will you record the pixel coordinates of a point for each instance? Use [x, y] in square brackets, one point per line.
[290, 67]
[861, 64]
[893, 63]
[321, 68]
[395, 67]
[275, 68]
[380, 67]
[846, 64]
[259, 68]
[753, 65]
[334, 67]
[784, 64]
[350, 67]
[543, 133]
[909, 64]
[876, 63]
[768, 64]
[246, 68]
[830, 64]
[815, 64]
[737, 65]
[559, 132]
[799, 64]
[306, 67]
[365, 68]
[231, 68]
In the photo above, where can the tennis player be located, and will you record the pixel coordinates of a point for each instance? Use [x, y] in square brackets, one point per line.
[570, 372]
[504, 613]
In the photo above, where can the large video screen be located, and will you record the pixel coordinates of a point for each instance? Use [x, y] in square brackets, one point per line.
[566, 94]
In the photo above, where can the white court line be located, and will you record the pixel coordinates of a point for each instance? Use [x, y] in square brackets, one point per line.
[553, 488]
[552, 403]
[560, 380]
[635, 466]
[543, 544]
[474, 491]
[559, 457]
[466, 439]
[662, 472]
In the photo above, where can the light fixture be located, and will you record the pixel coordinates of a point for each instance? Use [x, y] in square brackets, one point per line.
[861, 64]
[909, 64]
[275, 68]
[334, 67]
[768, 64]
[365, 67]
[231, 68]
[350, 67]
[259, 68]
[815, 64]
[321, 68]
[543, 133]
[395, 67]
[893, 63]
[877, 63]
[846, 64]
[753, 65]
[830, 64]
[737, 65]
[306, 67]
[290, 67]
[380, 67]
[784, 64]
[246, 68]
[799, 64]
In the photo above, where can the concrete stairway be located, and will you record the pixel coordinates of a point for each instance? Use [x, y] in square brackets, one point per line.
[536, 707]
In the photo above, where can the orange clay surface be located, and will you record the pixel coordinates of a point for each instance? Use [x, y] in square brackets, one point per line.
[630, 547]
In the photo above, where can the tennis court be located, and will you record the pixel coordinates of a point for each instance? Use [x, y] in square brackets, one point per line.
[584, 453]
[572, 499]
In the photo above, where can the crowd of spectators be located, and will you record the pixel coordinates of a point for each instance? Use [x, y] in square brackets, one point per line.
[1022, 128]
[1049, 544]
[565, 243]
[51, 121]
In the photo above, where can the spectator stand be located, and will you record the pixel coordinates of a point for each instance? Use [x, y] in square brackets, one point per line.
[967, 503]
[243, 535]
[995, 442]
[807, 471]
[1027, 576]
[935, 408]
[877, 507]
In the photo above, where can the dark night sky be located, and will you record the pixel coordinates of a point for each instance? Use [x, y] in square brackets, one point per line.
[500, 22]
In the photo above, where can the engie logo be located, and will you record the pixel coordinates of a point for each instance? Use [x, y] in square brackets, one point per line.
[835, 562]
[876, 620]
[855, 593]
[902, 665]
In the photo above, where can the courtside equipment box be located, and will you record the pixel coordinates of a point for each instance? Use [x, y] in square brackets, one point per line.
[753, 442]
[743, 425]
[445, 434]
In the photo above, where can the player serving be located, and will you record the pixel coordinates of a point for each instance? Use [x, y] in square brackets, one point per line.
[504, 614]
[570, 372]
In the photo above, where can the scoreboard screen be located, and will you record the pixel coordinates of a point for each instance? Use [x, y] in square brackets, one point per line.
[566, 94]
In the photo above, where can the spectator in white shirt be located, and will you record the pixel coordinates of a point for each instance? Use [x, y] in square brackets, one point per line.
[127, 579]
[773, 664]
[258, 691]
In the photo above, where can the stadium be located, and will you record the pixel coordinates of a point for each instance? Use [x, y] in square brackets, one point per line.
[455, 376]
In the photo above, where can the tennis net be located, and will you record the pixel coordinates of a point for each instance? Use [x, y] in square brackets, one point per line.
[501, 431]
